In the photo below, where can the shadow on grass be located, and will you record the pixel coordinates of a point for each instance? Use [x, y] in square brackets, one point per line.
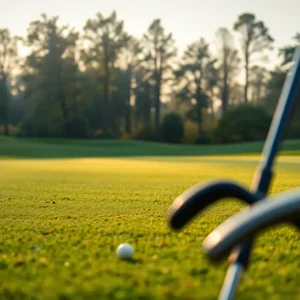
[60, 148]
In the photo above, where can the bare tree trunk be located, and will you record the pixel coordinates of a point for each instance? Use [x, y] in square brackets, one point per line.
[258, 92]
[225, 96]
[6, 97]
[128, 117]
[200, 129]
[6, 121]
[225, 84]
[128, 106]
[147, 116]
[107, 106]
[157, 110]
[63, 105]
[157, 105]
[247, 75]
[212, 111]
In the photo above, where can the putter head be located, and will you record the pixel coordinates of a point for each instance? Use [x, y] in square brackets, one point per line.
[190, 203]
[284, 207]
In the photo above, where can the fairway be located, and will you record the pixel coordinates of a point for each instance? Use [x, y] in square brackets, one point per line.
[62, 220]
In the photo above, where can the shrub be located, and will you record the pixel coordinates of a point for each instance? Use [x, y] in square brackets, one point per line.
[146, 133]
[29, 128]
[76, 128]
[243, 123]
[204, 138]
[172, 129]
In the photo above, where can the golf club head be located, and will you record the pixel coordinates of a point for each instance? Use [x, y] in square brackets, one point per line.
[190, 203]
[284, 207]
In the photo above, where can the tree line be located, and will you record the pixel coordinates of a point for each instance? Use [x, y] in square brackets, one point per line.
[105, 83]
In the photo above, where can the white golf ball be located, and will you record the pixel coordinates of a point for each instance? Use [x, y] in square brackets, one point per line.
[125, 251]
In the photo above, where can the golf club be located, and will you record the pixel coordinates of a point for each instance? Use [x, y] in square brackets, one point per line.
[188, 203]
[263, 175]
[191, 202]
[284, 207]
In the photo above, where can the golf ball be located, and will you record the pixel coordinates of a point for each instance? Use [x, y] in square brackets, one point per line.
[125, 251]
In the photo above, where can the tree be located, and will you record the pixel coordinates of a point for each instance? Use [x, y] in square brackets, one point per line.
[212, 82]
[255, 38]
[273, 89]
[131, 59]
[172, 128]
[159, 49]
[243, 123]
[277, 77]
[191, 77]
[8, 57]
[105, 38]
[143, 92]
[257, 82]
[121, 99]
[287, 52]
[51, 72]
[228, 64]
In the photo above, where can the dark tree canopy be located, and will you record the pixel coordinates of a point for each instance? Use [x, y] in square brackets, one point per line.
[99, 81]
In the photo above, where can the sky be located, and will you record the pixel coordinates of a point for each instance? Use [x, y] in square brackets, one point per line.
[188, 20]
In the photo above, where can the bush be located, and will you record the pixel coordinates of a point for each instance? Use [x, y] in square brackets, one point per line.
[172, 129]
[204, 138]
[243, 123]
[293, 131]
[190, 132]
[29, 128]
[76, 128]
[146, 133]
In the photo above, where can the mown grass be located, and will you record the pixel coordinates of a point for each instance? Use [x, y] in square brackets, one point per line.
[59, 148]
[62, 219]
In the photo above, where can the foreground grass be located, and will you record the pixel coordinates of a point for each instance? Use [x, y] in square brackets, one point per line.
[61, 221]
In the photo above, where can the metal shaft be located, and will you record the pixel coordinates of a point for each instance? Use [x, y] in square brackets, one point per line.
[263, 174]
[231, 281]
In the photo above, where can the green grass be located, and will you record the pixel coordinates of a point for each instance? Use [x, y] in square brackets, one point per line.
[59, 148]
[66, 250]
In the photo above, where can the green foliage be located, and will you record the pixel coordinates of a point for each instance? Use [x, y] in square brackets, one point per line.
[33, 128]
[255, 39]
[204, 138]
[108, 135]
[119, 84]
[172, 128]
[144, 96]
[228, 65]
[159, 52]
[50, 72]
[8, 62]
[121, 97]
[274, 87]
[76, 128]
[4, 101]
[243, 123]
[197, 67]
[105, 38]
[287, 52]
[145, 133]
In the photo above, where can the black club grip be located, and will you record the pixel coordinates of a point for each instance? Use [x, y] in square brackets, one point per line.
[194, 200]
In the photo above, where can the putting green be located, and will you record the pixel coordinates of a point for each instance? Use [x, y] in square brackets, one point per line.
[62, 220]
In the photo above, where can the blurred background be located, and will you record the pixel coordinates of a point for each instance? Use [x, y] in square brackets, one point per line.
[194, 72]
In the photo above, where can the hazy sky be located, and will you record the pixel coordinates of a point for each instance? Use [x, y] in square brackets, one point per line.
[186, 19]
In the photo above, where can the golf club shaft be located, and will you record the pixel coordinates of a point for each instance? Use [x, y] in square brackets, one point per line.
[231, 281]
[263, 174]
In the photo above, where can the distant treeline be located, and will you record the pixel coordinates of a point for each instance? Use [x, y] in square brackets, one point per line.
[105, 83]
